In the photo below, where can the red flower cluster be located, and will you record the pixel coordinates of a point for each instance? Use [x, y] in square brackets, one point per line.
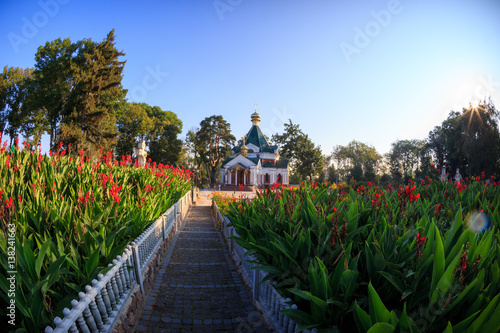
[462, 263]
[113, 193]
[461, 187]
[437, 211]
[421, 241]
[84, 199]
[405, 194]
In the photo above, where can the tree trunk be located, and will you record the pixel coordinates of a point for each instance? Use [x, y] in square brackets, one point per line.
[213, 176]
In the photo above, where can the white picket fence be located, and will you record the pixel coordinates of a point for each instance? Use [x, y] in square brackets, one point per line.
[262, 292]
[100, 306]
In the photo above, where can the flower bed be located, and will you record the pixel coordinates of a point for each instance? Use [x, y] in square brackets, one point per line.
[417, 258]
[69, 217]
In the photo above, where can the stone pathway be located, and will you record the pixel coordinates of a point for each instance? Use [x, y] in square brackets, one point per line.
[197, 288]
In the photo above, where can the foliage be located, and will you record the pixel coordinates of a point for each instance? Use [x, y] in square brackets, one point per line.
[357, 161]
[74, 94]
[422, 257]
[139, 121]
[222, 199]
[133, 126]
[164, 146]
[15, 84]
[306, 159]
[72, 216]
[89, 121]
[404, 158]
[213, 140]
[53, 80]
[468, 140]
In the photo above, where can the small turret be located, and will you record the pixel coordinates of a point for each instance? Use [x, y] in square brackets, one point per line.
[244, 148]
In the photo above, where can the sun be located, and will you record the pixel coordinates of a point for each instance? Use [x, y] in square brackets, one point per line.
[474, 103]
[474, 106]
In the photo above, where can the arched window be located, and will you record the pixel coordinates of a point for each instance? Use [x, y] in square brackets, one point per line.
[279, 180]
[267, 178]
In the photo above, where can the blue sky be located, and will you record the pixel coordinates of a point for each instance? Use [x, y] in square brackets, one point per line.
[373, 71]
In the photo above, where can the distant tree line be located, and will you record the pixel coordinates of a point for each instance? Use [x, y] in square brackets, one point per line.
[468, 140]
[74, 94]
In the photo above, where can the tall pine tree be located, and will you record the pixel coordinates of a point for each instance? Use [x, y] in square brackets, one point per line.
[89, 121]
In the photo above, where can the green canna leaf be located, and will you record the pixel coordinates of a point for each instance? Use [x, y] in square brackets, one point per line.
[439, 262]
[362, 319]
[381, 328]
[41, 256]
[448, 329]
[378, 311]
[483, 320]
[92, 262]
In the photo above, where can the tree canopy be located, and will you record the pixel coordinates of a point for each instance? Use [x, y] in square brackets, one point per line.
[468, 140]
[74, 94]
[211, 143]
[306, 159]
[357, 160]
[15, 116]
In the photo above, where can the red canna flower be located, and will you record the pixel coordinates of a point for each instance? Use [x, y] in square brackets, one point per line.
[437, 210]
[421, 241]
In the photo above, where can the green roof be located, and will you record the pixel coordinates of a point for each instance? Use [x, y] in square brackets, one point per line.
[227, 160]
[257, 138]
[280, 164]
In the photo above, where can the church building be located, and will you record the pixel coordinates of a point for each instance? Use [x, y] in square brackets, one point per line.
[254, 162]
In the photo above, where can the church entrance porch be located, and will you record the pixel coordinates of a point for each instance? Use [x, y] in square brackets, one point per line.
[238, 175]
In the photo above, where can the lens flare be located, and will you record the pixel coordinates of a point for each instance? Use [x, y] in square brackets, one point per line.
[478, 221]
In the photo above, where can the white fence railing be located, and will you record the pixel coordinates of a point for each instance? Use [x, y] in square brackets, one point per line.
[262, 292]
[100, 306]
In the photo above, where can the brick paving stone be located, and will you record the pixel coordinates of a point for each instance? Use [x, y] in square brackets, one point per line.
[197, 289]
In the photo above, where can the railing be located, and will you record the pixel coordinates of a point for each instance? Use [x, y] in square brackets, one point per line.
[99, 308]
[262, 292]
